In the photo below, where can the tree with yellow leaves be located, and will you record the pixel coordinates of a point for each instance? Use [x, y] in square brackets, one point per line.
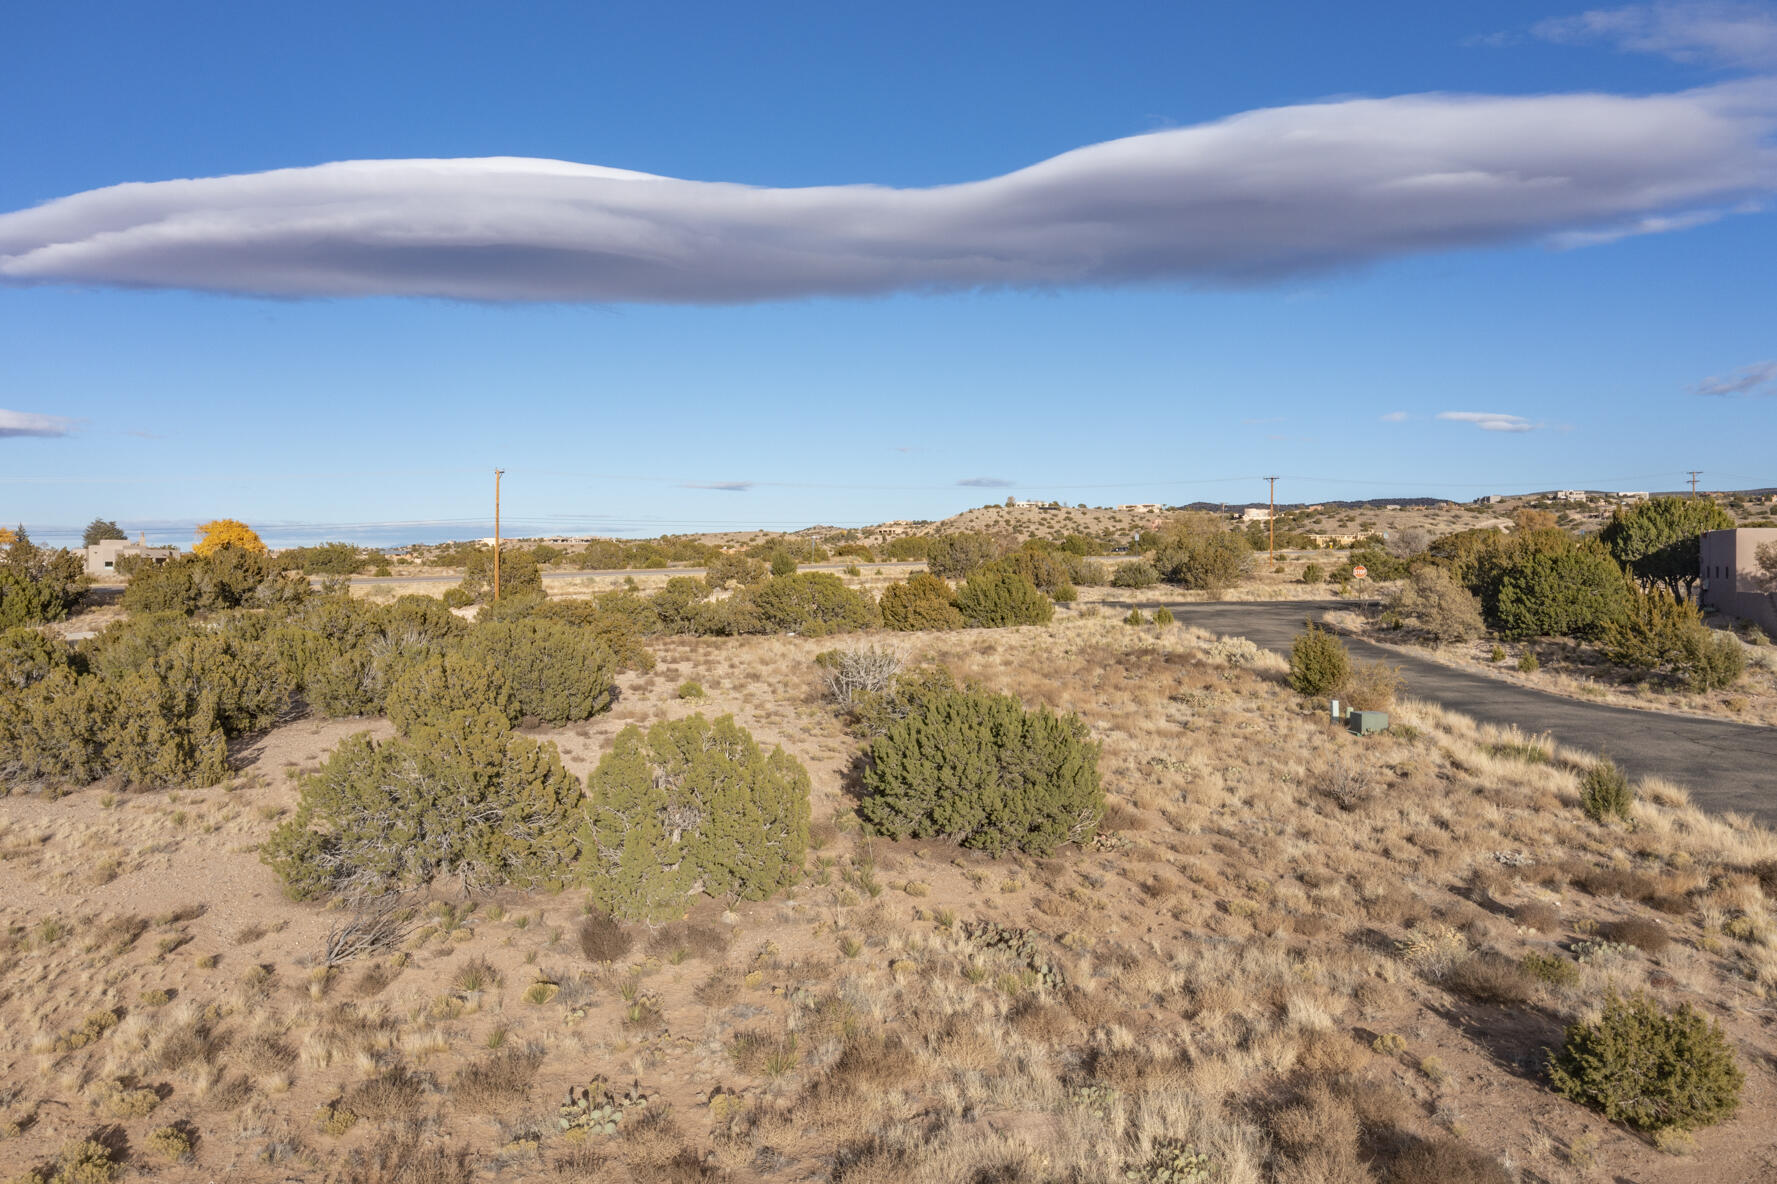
[226, 532]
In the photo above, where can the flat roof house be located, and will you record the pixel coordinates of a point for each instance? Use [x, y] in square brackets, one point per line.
[102, 556]
[1733, 584]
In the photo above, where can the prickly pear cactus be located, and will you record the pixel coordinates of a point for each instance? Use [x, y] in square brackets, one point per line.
[1173, 1162]
[596, 1110]
[1020, 944]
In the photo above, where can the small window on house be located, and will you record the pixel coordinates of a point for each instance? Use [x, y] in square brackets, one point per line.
[108, 563]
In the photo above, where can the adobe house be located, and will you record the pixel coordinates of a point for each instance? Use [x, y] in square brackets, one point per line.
[102, 556]
[1733, 584]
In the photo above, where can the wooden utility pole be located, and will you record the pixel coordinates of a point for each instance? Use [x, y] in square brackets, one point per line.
[1695, 473]
[1272, 521]
[497, 475]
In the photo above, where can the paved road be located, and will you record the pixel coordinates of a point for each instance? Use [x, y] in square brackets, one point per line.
[841, 565]
[1726, 766]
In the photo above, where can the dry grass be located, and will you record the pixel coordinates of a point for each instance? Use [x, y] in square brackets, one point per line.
[1299, 954]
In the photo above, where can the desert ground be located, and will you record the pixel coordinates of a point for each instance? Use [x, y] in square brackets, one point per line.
[1294, 953]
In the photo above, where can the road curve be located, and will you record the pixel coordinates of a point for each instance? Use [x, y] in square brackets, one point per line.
[1725, 765]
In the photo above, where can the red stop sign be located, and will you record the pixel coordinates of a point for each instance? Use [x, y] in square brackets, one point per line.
[1360, 571]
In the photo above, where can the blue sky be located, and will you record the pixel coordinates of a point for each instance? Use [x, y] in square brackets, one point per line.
[1117, 326]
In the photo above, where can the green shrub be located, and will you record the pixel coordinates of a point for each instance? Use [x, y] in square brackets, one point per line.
[1574, 593]
[1552, 969]
[679, 604]
[463, 797]
[1206, 562]
[558, 672]
[1659, 541]
[1136, 573]
[1527, 663]
[724, 568]
[955, 556]
[27, 657]
[1163, 616]
[428, 690]
[812, 604]
[783, 564]
[1649, 1068]
[1312, 574]
[1712, 660]
[1135, 618]
[922, 601]
[326, 559]
[37, 584]
[979, 769]
[691, 804]
[519, 574]
[228, 577]
[997, 599]
[690, 690]
[1319, 665]
[1605, 792]
[619, 619]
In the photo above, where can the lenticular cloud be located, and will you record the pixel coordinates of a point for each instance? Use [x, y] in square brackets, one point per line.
[1259, 197]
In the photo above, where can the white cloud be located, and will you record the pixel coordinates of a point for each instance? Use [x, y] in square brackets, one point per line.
[987, 482]
[1760, 378]
[1260, 197]
[1490, 421]
[27, 423]
[1743, 35]
[723, 486]
[1395, 417]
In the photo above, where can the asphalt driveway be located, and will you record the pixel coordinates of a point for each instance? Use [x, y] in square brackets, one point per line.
[1725, 765]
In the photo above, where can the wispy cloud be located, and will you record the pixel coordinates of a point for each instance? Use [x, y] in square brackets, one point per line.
[1490, 421]
[1394, 417]
[987, 482]
[27, 423]
[1265, 196]
[723, 486]
[1760, 378]
[1740, 35]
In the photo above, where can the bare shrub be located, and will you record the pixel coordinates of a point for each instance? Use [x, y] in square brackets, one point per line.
[1445, 1161]
[1649, 937]
[497, 1081]
[375, 925]
[1350, 784]
[1491, 978]
[1373, 686]
[690, 939]
[603, 940]
[1537, 916]
[406, 1156]
[846, 673]
[396, 1094]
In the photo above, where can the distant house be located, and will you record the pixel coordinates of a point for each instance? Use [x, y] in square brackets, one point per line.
[1143, 508]
[102, 556]
[1494, 499]
[1255, 514]
[1632, 497]
[1334, 540]
[1570, 495]
[1732, 583]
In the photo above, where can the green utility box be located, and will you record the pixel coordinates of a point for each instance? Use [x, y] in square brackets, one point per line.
[1366, 722]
